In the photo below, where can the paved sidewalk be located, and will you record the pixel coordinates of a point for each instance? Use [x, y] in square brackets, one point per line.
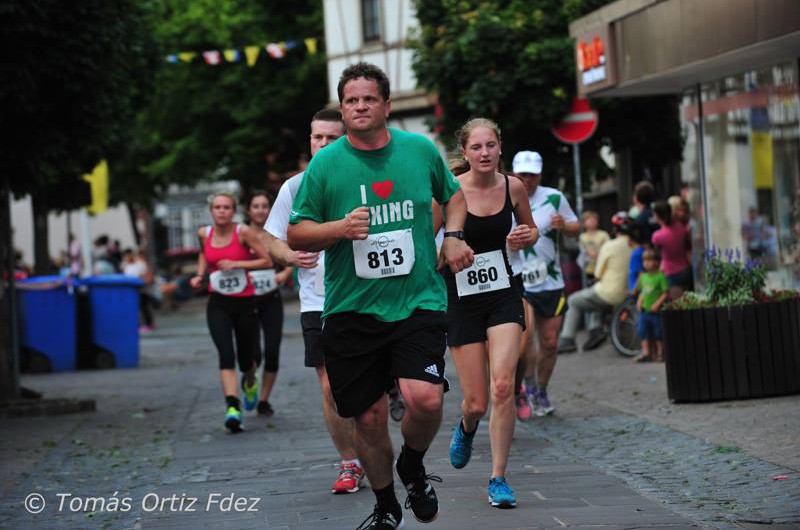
[616, 455]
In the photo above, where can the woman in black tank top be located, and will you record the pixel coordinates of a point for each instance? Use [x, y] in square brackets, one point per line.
[485, 314]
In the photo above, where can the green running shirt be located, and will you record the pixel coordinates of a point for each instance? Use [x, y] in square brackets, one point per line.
[397, 183]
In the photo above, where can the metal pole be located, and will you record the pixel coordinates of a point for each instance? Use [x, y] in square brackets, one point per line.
[701, 166]
[576, 162]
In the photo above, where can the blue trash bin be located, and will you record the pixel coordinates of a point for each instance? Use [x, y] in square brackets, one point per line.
[48, 322]
[114, 302]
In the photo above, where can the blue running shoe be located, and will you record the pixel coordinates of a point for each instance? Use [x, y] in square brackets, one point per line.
[500, 494]
[543, 405]
[250, 393]
[461, 446]
[233, 420]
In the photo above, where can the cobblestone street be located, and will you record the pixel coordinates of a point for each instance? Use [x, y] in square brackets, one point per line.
[617, 454]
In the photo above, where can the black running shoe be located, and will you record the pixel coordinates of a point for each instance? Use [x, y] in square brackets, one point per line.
[265, 409]
[421, 496]
[381, 520]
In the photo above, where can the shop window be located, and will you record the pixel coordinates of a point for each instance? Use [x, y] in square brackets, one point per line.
[751, 147]
[371, 20]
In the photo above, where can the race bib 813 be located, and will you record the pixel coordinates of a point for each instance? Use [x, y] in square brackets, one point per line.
[384, 255]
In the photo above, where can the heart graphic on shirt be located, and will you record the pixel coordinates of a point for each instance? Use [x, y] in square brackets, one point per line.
[383, 189]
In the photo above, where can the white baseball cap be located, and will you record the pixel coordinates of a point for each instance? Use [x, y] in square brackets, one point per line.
[527, 162]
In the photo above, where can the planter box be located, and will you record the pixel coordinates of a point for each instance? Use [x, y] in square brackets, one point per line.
[733, 352]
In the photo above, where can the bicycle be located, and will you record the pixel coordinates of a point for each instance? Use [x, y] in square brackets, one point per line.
[624, 335]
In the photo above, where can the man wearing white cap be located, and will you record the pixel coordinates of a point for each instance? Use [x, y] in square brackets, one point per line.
[545, 301]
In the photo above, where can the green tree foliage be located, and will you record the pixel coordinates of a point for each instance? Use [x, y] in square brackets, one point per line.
[513, 61]
[74, 74]
[209, 122]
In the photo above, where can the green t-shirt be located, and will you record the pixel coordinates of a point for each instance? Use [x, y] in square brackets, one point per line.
[652, 285]
[397, 183]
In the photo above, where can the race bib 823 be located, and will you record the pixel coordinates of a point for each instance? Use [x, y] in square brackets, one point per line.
[229, 282]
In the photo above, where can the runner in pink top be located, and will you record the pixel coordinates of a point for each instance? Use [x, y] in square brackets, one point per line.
[231, 307]
[229, 285]
[672, 241]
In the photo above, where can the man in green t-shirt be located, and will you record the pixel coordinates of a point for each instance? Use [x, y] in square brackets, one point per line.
[366, 200]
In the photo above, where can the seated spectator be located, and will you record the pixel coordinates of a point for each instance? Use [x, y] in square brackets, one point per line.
[611, 273]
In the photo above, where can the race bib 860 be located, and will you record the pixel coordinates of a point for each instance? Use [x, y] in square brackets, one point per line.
[487, 273]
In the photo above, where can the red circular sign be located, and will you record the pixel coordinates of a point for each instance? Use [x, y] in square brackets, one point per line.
[579, 125]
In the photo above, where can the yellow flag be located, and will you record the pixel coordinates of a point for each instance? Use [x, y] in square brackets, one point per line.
[251, 52]
[311, 45]
[187, 57]
[98, 179]
[763, 162]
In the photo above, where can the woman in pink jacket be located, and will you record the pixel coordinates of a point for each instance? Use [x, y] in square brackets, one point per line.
[672, 241]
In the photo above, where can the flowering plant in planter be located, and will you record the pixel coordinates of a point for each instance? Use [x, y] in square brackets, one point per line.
[731, 282]
[735, 340]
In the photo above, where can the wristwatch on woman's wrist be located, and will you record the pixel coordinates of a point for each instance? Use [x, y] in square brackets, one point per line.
[458, 234]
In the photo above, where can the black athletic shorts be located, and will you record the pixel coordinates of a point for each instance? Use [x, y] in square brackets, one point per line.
[469, 317]
[364, 355]
[548, 304]
[311, 323]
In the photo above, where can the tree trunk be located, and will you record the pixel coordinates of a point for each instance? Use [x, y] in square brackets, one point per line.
[9, 356]
[41, 253]
[132, 217]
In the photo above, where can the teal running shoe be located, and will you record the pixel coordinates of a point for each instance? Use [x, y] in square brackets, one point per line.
[500, 494]
[233, 420]
[461, 446]
[250, 393]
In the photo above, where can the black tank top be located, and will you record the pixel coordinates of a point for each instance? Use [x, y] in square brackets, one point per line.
[488, 233]
[484, 234]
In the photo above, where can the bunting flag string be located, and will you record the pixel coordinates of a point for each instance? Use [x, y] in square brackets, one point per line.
[275, 50]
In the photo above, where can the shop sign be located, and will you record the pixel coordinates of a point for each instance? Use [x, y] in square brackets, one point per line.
[595, 61]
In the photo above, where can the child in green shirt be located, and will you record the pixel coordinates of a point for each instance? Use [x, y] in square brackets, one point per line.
[653, 288]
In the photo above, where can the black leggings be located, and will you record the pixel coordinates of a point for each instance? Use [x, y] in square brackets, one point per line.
[270, 313]
[145, 310]
[234, 315]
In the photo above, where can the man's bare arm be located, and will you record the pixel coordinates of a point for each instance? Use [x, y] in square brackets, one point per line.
[283, 254]
[312, 236]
